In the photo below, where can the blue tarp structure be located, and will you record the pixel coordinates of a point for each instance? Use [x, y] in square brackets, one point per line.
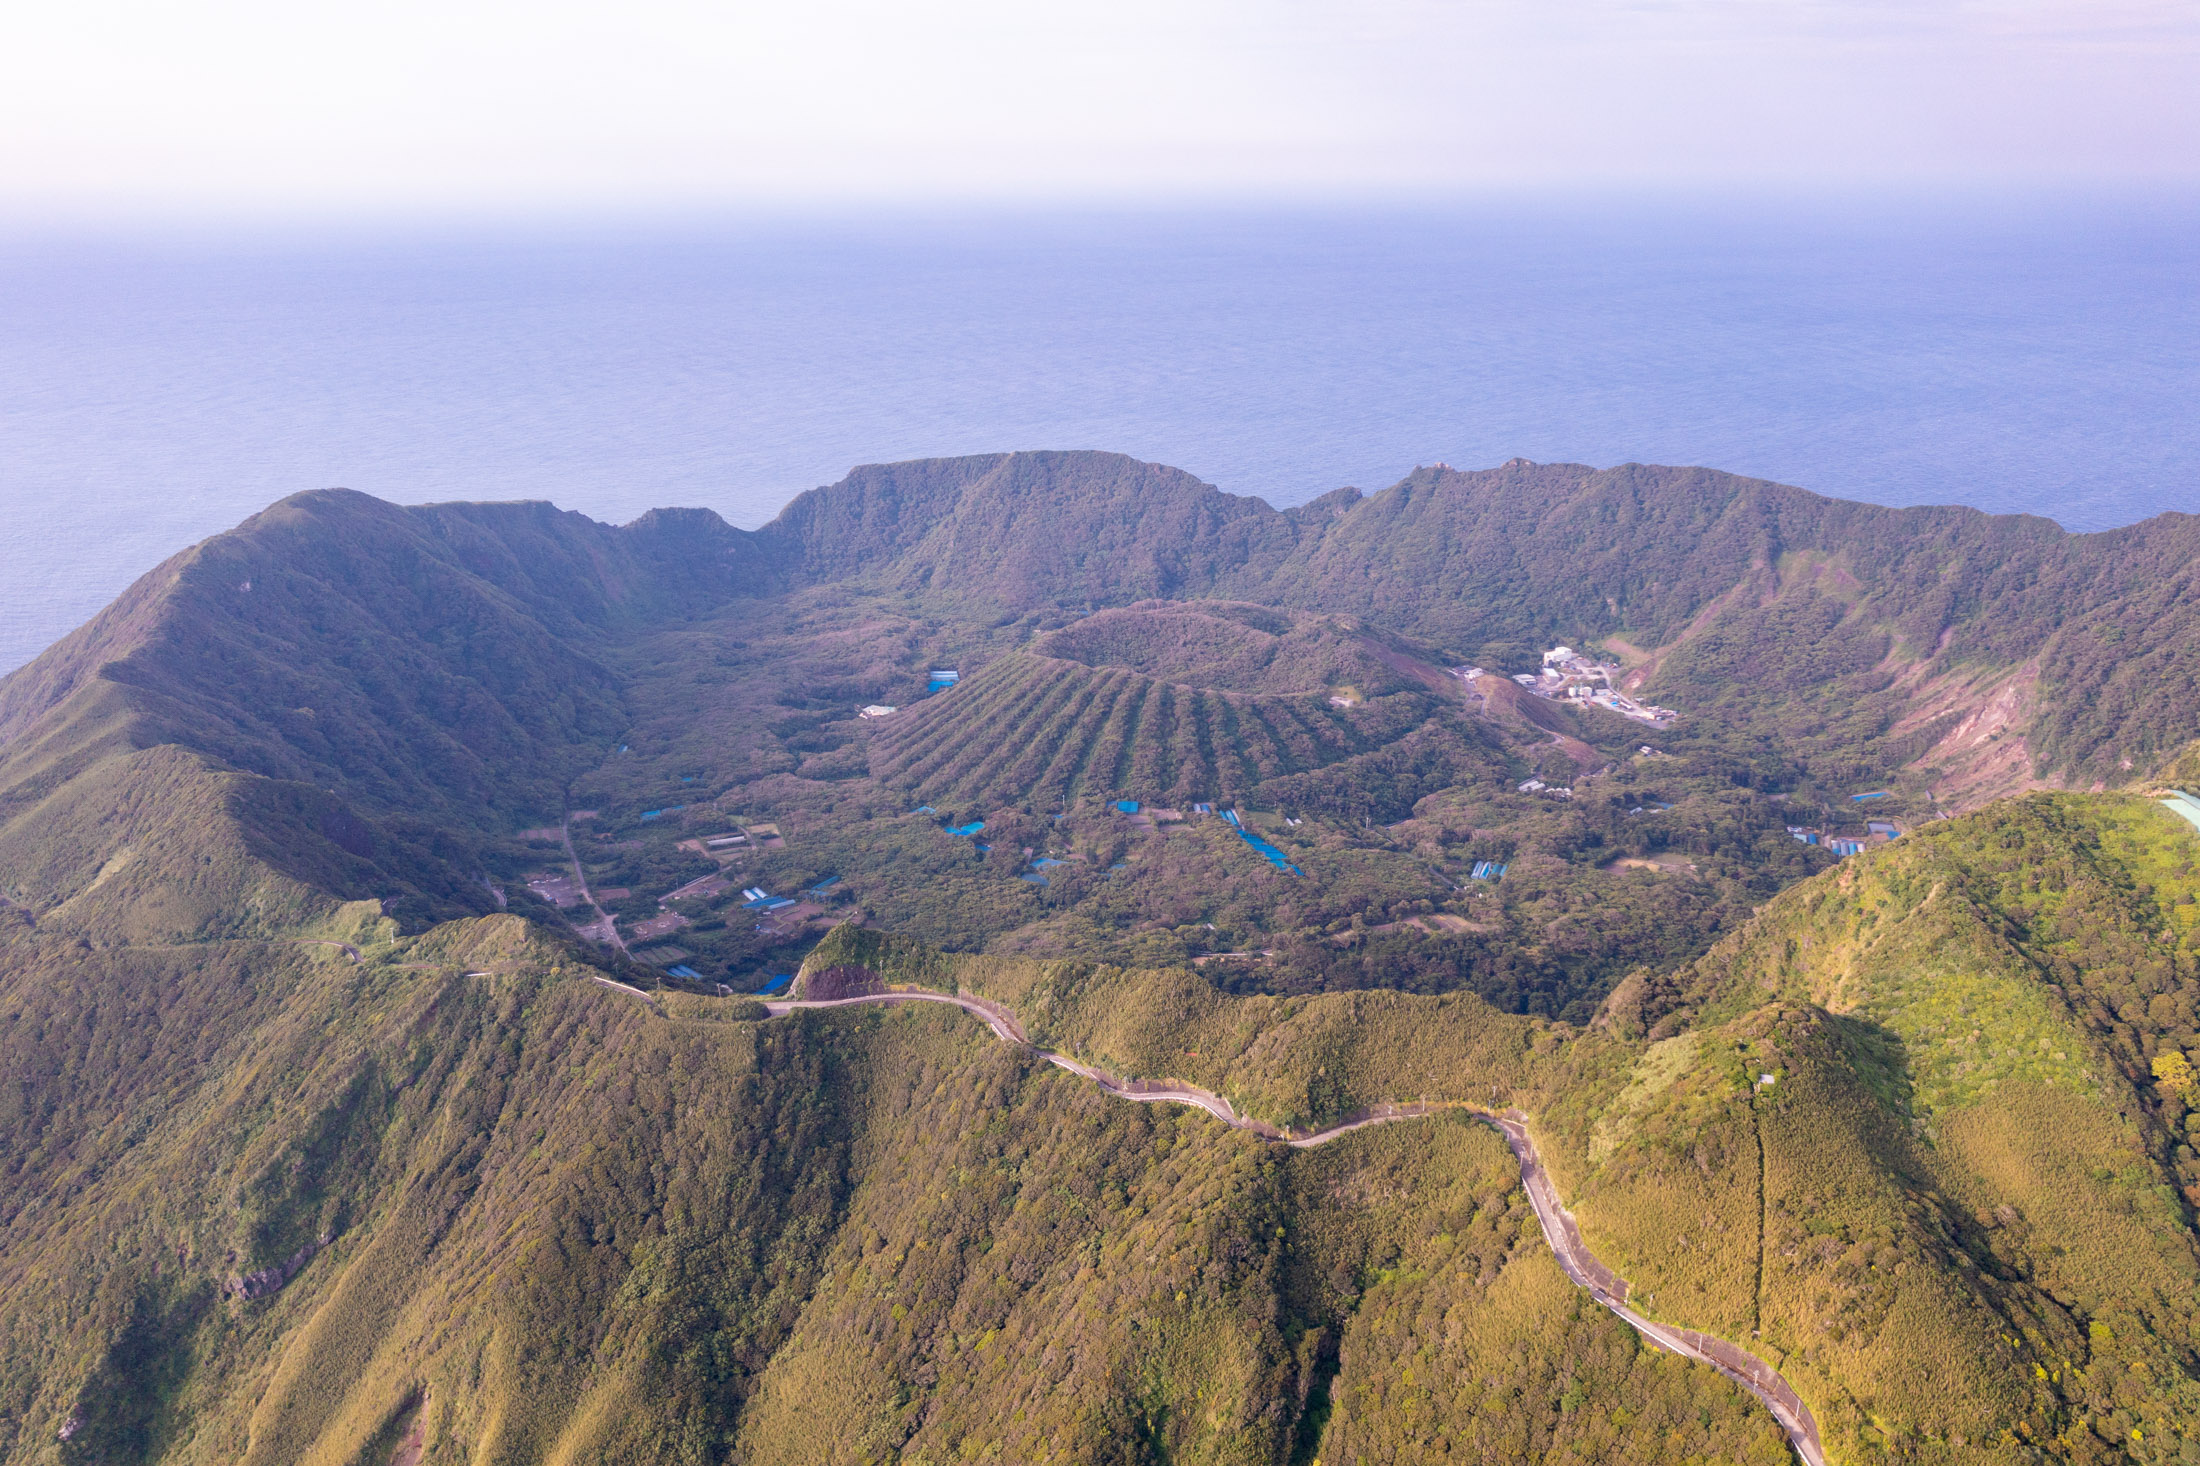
[1488, 870]
[822, 887]
[1268, 852]
[658, 814]
[962, 832]
[778, 982]
[1126, 806]
[1875, 794]
[683, 970]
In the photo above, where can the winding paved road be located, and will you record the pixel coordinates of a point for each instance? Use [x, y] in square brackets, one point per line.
[1559, 1229]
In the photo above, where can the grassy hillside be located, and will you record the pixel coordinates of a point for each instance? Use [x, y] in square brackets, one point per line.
[302, 1215]
[1870, 637]
[1016, 532]
[1964, 1032]
[326, 1139]
[270, 1204]
[1920, 1132]
[161, 846]
[1502, 563]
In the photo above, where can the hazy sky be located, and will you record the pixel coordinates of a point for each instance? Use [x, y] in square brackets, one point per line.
[493, 104]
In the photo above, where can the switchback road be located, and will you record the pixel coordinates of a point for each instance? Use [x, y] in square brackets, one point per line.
[1559, 1229]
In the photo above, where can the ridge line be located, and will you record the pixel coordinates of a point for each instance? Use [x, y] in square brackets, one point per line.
[1560, 1231]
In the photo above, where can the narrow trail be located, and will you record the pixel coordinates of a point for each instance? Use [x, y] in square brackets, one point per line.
[1559, 1228]
[349, 950]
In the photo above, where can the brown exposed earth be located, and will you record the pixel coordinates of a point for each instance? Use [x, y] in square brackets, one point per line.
[659, 926]
[1665, 864]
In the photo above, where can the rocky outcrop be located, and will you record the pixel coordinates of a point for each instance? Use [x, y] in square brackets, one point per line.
[846, 980]
[270, 1280]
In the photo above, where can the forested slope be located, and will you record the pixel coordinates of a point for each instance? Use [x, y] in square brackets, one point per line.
[306, 1155]
[1922, 1132]
[339, 694]
[1979, 1045]
[269, 1208]
[1809, 599]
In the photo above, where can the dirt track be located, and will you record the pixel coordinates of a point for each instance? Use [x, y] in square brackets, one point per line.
[1580, 1264]
[604, 920]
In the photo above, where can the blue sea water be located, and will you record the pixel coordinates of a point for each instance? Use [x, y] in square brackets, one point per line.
[2037, 354]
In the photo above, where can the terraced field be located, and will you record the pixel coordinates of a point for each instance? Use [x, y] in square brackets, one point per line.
[1184, 702]
[1038, 731]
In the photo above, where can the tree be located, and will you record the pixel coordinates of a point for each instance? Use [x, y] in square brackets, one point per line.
[2173, 1072]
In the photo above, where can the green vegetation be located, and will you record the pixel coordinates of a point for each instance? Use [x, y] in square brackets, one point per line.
[1971, 1145]
[323, 1131]
[559, 1225]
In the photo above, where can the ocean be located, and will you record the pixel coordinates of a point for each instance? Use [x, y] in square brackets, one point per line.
[2037, 354]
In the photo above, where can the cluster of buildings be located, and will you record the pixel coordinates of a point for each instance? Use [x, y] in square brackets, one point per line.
[1876, 833]
[1568, 676]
